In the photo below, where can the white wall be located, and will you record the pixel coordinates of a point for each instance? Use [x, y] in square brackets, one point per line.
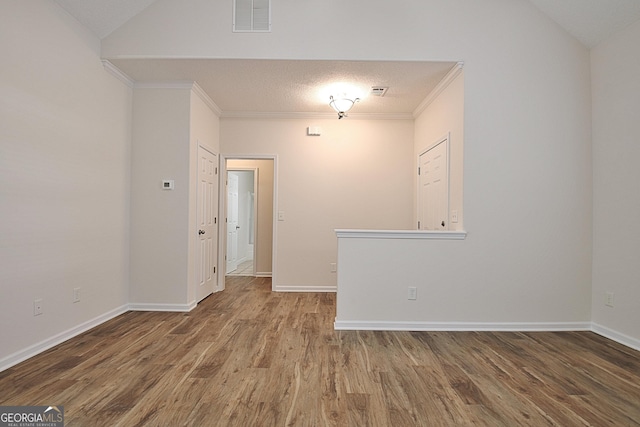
[357, 174]
[508, 280]
[160, 218]
[64, 167]
[445, 116]
[616, 178]
[204, 130]
[168, 124]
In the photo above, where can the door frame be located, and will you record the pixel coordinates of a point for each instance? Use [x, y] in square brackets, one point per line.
[222, 206]
[446, 140]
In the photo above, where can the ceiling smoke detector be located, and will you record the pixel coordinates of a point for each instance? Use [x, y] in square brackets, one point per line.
[378, 90]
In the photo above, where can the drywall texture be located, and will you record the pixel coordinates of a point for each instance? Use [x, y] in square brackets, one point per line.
[616, 178]
[64, 173]
[357, 174]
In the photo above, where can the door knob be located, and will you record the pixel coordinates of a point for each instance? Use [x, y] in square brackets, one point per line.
[237, 227]
[443, 223]
[200, 232]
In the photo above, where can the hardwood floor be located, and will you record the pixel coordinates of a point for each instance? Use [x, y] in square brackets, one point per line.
[251, 357]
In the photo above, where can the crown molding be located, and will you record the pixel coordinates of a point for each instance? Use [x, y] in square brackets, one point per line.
[188, 85]
[195, 87]
[206, 99]
[444, 83]
[117, 73]
[313, 115]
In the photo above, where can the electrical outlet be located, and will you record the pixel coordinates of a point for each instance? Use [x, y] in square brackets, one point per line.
[608, 299]
[413, 293]
[454, 216]
[333, 267]
[76, 295]
[37, 307]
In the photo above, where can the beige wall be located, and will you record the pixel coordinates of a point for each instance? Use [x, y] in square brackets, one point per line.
[65, 141]
[616, 180]
[264, 201]
[358, 174]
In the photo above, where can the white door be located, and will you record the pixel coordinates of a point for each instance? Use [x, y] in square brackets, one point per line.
[232, 222]
[433, 195]
[207, 222]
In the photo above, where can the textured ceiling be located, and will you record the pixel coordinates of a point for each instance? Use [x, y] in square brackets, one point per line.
[242, 85]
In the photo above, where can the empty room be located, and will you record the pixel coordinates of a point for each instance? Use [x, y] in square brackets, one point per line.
[261, 212]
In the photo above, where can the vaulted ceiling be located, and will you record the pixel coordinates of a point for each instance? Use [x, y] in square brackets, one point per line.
[267, 86]
[590, 21]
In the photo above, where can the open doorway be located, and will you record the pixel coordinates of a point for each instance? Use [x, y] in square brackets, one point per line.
[241, 221]
[249, 201]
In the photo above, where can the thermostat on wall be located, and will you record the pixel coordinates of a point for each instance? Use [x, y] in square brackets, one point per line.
[167, 184]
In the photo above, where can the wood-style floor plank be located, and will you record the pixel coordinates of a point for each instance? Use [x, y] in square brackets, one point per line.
[251, 357]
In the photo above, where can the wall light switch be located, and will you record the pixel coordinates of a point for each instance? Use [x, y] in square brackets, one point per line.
[608, 299]
[37, 307]
[454, 216]
[281, 216]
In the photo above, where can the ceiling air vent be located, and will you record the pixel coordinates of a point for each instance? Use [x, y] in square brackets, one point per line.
[378, 90]
[252, 16]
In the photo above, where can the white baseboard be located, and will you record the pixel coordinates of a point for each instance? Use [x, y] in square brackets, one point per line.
[616, 336]
[22, 355]
[459, 326]
[163, 307]
[302, 288]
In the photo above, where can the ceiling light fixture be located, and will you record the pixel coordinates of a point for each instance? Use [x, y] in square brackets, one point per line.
[342, 104]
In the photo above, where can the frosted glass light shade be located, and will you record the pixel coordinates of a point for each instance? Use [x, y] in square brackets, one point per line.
[342, 105]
